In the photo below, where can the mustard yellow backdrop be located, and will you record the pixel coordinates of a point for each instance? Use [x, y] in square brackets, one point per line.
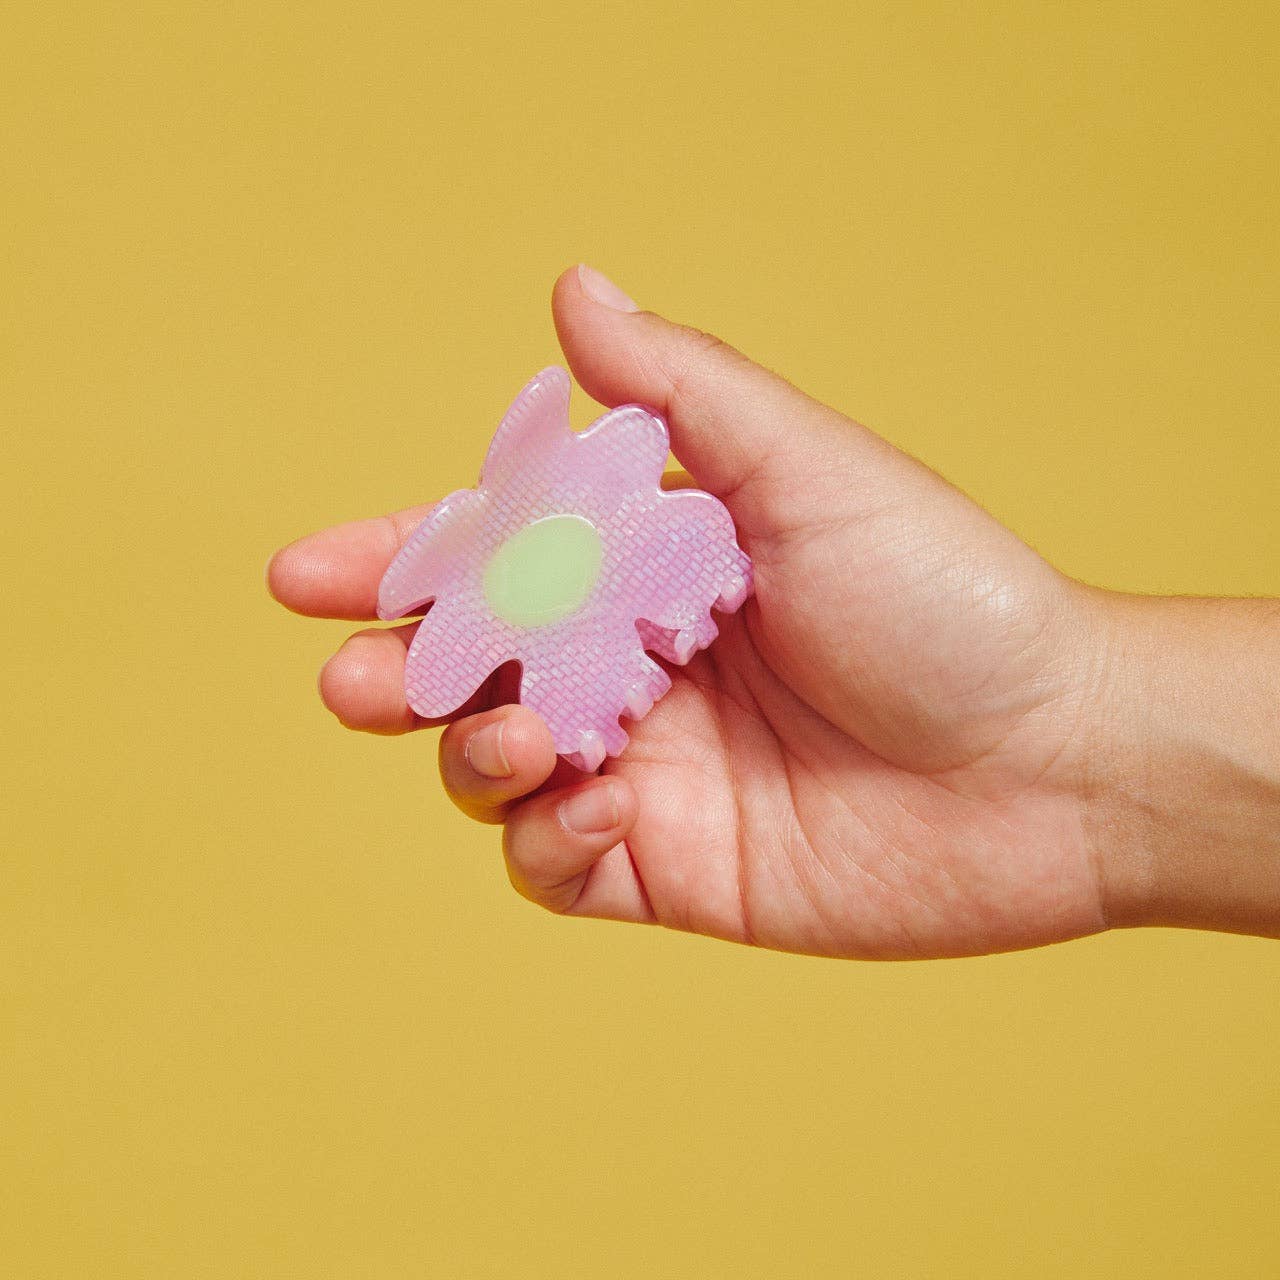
[267, 1006]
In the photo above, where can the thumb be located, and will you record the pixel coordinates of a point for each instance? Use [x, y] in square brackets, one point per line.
[742, 432]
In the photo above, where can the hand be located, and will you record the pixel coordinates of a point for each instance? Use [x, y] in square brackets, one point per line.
[893, 750]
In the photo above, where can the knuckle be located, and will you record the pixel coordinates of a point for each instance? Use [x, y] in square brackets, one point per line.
[535, 866]
[391, 527]
[697, 359]
[528, 878]
[700, 348]
[530, 891]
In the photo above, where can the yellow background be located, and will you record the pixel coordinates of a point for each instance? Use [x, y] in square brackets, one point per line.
[268, 1006]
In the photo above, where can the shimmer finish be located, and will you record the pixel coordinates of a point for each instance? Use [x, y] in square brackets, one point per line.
[571, 560]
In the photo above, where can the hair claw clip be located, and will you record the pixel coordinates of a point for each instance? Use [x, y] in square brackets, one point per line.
[570, 559]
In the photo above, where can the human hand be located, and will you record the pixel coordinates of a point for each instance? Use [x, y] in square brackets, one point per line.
[892, 750]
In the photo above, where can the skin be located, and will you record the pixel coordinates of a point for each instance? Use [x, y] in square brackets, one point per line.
[917, 739]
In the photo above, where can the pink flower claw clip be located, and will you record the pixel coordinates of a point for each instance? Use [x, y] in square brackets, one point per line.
[571, 560]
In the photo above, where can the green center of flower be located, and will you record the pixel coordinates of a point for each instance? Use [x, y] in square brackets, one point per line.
[543, 572]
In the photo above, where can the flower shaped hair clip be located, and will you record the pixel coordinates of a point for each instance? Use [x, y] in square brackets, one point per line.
[571, 560]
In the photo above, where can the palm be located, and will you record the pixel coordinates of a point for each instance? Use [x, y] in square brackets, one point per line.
[904, 803]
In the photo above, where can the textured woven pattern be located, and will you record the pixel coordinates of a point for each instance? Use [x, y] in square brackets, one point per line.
[668, 558]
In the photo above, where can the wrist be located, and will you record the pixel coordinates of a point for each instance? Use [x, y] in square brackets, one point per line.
[1182, 791]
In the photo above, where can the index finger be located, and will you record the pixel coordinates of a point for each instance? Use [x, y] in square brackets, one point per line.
[335, 573]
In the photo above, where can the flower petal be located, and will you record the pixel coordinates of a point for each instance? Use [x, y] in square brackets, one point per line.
[532, 432]
[581, 692]
[623, 452]
[692, 562]
[434, 557]
[452, 654]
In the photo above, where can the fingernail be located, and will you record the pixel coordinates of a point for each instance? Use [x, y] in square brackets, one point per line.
[602, 290]
[484, 752]
[590, 811]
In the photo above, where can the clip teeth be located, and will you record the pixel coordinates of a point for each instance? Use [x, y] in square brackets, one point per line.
[639, 701]
[689, 640]
[735, 590]
[590, 753]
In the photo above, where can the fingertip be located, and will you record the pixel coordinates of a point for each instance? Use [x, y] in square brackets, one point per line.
[363, 684]
[335, 572]
[590, 312]
[313, 576]
[722, 410]
[552, 841]
[508, 742]
[279, 576]
[603, 806]
[527, 740]
[565, 292]
[493, 758]
[607, 357]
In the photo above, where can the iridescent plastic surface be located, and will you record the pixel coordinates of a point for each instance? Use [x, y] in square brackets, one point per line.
[570, 559]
